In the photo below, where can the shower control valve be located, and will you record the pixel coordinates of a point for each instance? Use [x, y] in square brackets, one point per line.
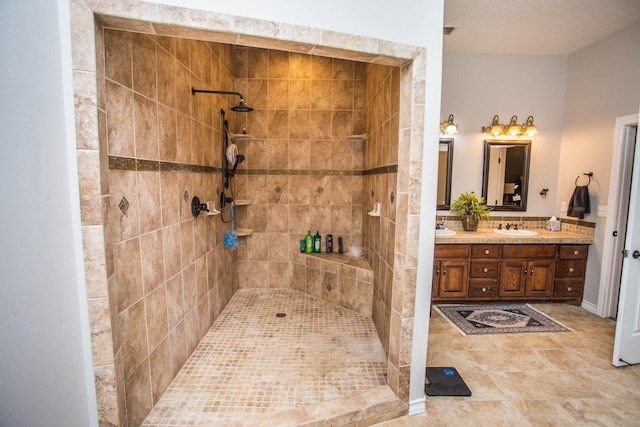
[196, 207]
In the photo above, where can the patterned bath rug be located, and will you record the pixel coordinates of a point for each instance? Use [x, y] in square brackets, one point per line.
[485, 319]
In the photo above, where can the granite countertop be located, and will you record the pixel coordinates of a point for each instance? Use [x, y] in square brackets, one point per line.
[543, 237]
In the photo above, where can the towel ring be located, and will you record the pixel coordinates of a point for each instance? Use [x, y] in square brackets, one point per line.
[589, 174]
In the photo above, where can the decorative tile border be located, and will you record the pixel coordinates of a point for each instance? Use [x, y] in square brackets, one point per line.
[132, 164]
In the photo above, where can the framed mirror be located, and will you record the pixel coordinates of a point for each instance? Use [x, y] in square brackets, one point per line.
[506, 174]
[445, 164]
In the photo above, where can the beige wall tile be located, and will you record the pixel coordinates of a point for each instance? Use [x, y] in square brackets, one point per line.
[139, 396]
[120, 127]
[118, 64]
[143, 53]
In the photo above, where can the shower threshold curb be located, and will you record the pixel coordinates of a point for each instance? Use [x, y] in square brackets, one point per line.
[363, 409]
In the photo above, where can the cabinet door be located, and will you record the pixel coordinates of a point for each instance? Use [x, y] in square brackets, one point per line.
[540, 277]
[453, 279]
[512, 278]
[436, 279]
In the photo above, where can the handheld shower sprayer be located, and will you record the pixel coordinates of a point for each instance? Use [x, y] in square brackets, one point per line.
[239, 159]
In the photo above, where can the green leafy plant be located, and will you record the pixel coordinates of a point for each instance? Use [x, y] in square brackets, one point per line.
[470, 205]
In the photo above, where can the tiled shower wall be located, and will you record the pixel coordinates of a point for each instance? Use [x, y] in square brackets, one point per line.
[303, 171]
[382, 96]
[171, 276]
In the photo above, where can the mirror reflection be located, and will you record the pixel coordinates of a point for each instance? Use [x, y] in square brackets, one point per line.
[445, 163]
[506, 174]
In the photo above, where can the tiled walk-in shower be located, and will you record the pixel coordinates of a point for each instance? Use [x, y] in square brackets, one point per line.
[274, 350]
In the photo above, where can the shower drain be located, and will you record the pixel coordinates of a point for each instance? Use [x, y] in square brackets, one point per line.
[281, 314]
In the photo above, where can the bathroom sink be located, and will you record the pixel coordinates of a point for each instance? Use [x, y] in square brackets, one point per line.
[445, 233]
[516, 232]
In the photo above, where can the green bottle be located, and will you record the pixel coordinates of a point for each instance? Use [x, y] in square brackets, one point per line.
[316, 242]
[308, 243]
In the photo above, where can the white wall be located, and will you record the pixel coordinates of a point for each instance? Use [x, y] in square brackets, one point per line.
[603, 83]
[405, 21]
[46, 377]
[475, 87]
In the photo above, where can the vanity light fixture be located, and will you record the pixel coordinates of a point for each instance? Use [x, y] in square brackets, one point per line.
[512, 129]
[496, 128]
[529, 128]
[448, 127]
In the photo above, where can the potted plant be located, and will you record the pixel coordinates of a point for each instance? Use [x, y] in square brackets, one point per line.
[470, 209]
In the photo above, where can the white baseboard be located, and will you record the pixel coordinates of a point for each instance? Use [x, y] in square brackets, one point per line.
[591, 308]
[417, 407]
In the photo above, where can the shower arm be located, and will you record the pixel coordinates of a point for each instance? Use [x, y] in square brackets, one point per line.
[219, 92]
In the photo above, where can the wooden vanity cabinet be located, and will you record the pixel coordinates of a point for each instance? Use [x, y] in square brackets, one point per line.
[509, 272]
[483, 272]
[570, 271]
[450, 271]
[527, 271]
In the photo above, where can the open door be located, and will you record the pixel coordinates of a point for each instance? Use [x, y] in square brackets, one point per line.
[626, 349]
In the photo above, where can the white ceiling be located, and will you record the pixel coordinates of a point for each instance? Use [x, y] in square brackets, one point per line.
[534, 27]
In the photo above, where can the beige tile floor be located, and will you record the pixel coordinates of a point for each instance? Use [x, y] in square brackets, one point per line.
[252, 363]
[542, 379]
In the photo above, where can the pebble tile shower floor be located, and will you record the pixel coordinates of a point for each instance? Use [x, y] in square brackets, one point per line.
[253, 362]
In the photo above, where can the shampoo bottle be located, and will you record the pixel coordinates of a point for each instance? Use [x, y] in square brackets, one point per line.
[308, 243]
[316, 242]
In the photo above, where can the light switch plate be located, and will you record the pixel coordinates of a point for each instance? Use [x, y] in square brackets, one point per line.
[563, 207]
[602, 210]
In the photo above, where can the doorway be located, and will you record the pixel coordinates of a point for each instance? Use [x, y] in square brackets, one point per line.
[618, 202]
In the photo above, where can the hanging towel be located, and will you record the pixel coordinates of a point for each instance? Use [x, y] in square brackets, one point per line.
[579, 203]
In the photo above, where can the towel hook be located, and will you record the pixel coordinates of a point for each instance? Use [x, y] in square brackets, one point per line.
[588, 174]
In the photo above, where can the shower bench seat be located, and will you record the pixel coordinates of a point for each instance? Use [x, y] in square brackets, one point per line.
[335, 278]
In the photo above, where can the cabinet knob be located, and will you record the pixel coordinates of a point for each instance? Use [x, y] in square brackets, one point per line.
[570, 269]
[575, 252]
[569, 289]
[484, 289]
[486, 251]
[484, 270]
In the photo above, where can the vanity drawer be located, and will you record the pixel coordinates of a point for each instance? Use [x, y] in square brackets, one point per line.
[485, 251]
[484, 269]
[573, 252]
[483, 289]
[528, 251]
[567, 288]
[570, 269]
[451, 251]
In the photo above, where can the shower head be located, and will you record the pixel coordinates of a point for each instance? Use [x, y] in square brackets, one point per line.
[241, 107]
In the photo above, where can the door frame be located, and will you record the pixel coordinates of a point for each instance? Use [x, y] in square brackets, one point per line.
[616, 219]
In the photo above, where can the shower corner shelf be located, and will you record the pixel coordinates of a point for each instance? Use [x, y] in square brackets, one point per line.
[241, 232]
[242, 202]
[362, 137]
[237, 137]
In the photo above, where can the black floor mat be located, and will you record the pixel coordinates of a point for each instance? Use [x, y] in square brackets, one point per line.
[445, 382]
